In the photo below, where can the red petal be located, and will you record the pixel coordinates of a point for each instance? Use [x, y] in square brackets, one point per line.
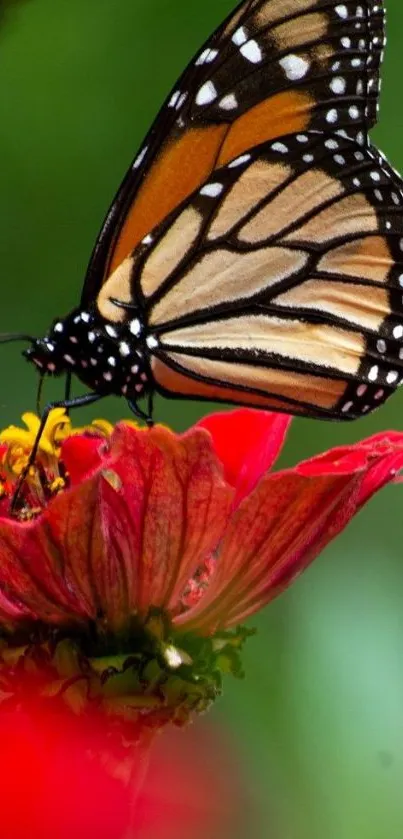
[82, 454]
[247, 442]
[30, 573]
[170, 512]
[286, 522]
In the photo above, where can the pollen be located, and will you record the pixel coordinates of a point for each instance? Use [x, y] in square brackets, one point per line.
[37, 482]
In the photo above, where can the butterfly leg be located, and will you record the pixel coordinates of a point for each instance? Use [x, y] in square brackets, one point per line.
[146, 417]
[67, 390]
[77, 402]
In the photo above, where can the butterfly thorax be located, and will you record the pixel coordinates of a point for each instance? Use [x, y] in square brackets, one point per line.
[108, 358]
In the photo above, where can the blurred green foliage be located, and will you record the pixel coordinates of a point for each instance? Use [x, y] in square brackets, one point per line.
[318, 722]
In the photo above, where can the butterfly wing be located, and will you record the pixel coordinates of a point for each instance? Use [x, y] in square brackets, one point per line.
[279, 282]
[273, 68]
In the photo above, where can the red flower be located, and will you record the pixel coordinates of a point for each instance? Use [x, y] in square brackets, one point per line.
[131, 559]
[155, 545]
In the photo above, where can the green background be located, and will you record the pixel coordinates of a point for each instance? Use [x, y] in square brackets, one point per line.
[317, 725]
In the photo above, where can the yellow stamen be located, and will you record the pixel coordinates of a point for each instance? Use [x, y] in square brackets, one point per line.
[57, 485]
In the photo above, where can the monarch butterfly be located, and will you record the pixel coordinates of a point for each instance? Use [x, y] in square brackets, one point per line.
[254, 251]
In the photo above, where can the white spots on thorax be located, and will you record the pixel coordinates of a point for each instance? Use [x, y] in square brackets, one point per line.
[239, 161]
[151, 342]
[332, 116]
[140, 157]
[392, 377]
[124, 349]
[212, 190]
[229, 102]
[338, 85]
[206, 57]
[354, 112]
[135, 327]
[206, 94]
[280, 147]
[252, 52]
[294, 67]
[111, 331]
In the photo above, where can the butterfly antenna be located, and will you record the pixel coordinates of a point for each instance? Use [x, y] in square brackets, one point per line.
[8, 337]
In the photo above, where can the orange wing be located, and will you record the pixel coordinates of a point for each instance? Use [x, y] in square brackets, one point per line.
[274, 67]
[279, 282]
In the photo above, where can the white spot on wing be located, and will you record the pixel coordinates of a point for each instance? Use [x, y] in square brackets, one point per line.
[244, 158]
[239, 37]
[229, 102]
[252, 52]
[294, 66]
[212, 190]
[206, 94]
[139, 159]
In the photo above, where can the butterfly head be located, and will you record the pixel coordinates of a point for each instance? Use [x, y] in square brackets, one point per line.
[108, 358]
